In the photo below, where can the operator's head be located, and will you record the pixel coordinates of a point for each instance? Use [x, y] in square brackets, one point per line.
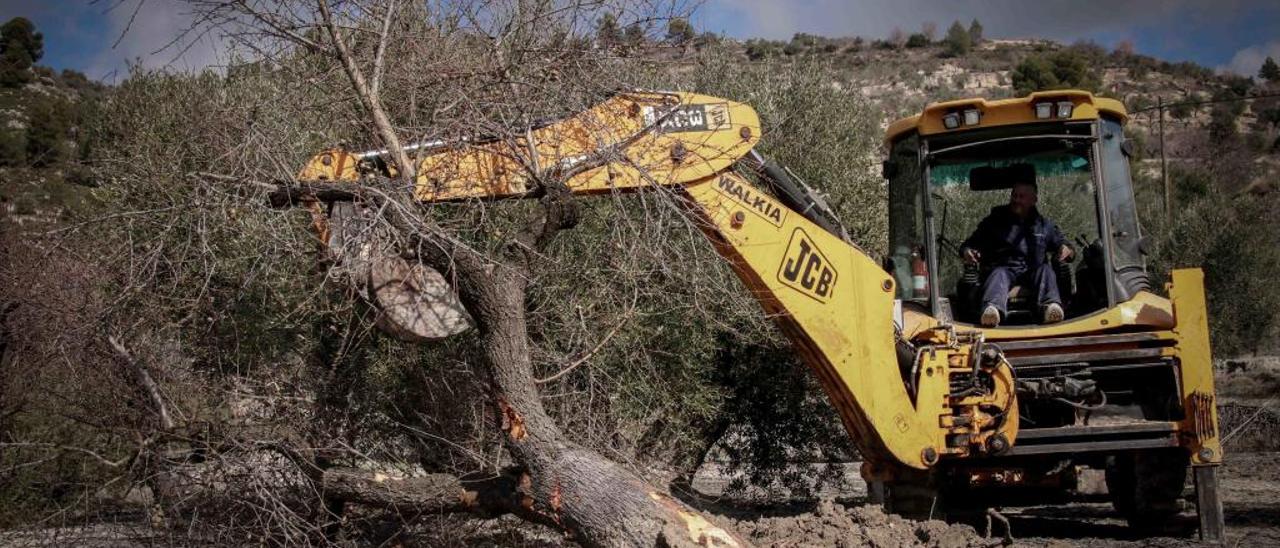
[1023, 197]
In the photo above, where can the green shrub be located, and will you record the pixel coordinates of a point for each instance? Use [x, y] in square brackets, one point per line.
[1184, 108]
[47, 134]
[1234, 237]
[13, 147]
[917, 40]
[1067, 69]
[759, 48]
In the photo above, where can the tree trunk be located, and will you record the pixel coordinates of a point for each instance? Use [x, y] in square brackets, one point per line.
[595, 499]
[592, 498]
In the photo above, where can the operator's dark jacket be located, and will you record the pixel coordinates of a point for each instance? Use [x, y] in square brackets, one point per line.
[1005, 240]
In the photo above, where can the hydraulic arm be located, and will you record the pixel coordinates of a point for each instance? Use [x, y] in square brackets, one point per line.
[947, 396]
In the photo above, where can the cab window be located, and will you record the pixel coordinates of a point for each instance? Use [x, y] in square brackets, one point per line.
[967, 184]
[906, 226]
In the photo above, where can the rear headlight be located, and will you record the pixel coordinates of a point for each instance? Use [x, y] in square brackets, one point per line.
[1064, 109]
[1044, 111]
[951, 121]
[1057, 109]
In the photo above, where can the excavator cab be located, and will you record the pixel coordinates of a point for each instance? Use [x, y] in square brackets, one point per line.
[949, 167]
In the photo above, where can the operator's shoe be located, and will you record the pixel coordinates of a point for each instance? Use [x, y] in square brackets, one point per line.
[990, 316]
[1053, 313]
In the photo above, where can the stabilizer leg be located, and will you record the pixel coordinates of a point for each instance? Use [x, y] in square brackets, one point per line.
[1208, 504]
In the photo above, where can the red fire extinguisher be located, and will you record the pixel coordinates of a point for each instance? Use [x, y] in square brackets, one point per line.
[919, 275]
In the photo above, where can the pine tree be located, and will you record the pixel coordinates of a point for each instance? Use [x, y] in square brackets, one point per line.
[958, 40]
[975, 32]
[20, 47]
[1269, 71]
[634, 35]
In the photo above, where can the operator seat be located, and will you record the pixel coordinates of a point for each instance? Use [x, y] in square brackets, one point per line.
[1023, 308]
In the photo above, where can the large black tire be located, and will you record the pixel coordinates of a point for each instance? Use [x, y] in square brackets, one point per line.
[1145, 486]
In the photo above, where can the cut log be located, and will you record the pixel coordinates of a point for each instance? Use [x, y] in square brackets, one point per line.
[484, 494]
[416, 303]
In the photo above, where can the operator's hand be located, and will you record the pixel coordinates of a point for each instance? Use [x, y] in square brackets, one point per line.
[971, 255]
[1066, 254]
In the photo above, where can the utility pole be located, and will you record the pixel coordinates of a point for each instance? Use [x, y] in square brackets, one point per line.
[1164, 170]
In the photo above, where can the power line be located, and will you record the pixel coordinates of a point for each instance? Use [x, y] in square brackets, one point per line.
[1161, 105]
[1205, 102]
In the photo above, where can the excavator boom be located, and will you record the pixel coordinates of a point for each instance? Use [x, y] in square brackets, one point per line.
[833, 301]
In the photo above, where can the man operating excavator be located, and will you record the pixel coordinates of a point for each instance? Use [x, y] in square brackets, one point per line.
[1013, 241]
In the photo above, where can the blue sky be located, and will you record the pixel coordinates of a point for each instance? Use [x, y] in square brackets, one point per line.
[1211, 33]
[1225, 34]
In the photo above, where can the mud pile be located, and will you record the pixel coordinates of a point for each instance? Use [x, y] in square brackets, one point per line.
[835, 525]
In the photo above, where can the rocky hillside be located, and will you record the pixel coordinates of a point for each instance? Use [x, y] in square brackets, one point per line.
[45, 135]
[44, 122]
[901, 78]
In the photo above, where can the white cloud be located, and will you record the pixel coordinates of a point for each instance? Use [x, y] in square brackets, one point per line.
[1247, 61]
[154, 34]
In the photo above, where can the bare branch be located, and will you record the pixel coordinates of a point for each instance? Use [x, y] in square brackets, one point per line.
[603, 340]
[379, 58]
[485, 494]
[367, 96]
[145, 382]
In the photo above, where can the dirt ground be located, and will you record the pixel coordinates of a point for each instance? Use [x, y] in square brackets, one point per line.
[1249, 410]
[1250, 489]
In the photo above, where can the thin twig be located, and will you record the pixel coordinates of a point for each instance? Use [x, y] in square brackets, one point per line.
[1266, 406]
[598, 346]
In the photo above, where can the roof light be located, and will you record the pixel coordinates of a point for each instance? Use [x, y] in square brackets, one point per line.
[1044, 110]
[1064, 109]
[972, 116]
[951, 121]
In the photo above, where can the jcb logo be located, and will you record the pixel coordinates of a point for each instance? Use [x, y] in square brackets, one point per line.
[806, 269]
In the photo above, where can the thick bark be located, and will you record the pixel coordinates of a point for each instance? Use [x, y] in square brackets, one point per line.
[597, 501]
[481, 494]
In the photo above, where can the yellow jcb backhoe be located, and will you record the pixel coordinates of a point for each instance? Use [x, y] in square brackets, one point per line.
[948, 415]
